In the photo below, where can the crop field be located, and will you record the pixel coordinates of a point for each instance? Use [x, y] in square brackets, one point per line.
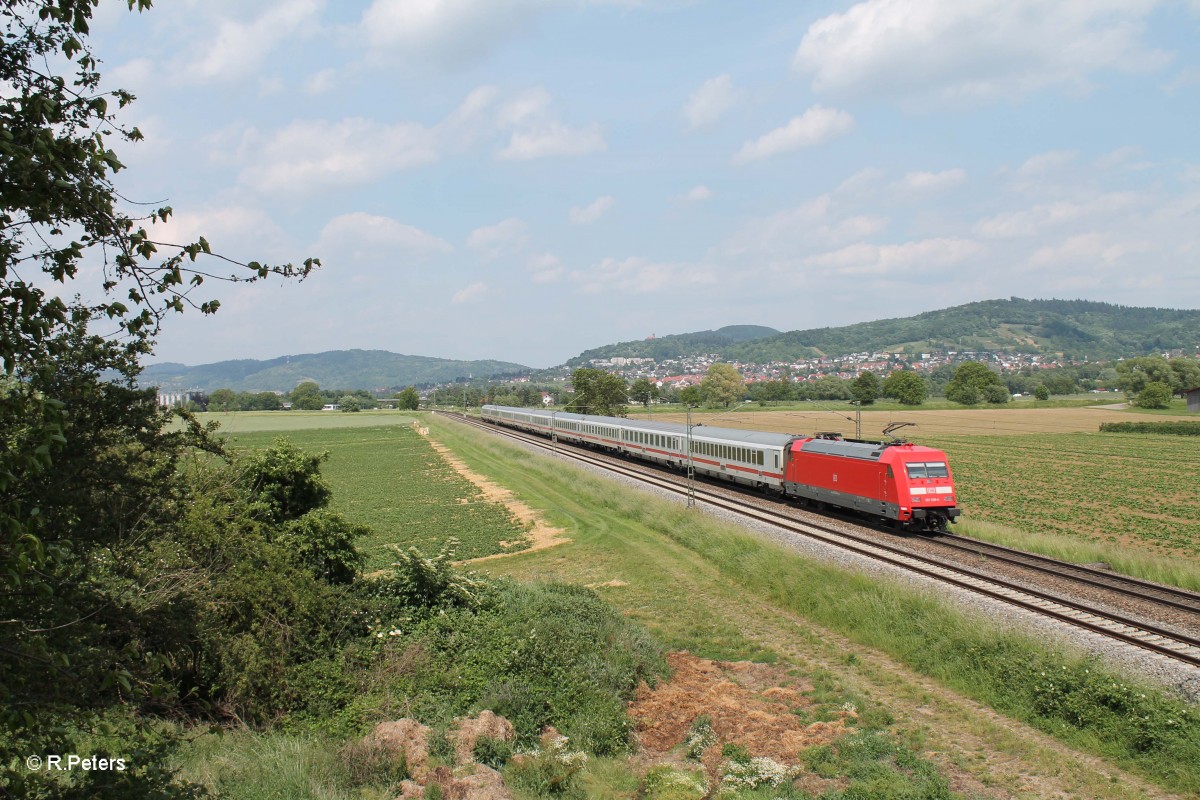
[390, 478]
[245, 421]
[1127, 489]
[927, 422]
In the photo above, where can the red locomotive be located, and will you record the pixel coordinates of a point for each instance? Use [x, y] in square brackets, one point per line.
[900, 481]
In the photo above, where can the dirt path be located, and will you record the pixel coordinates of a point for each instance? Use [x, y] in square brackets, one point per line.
[541, 535]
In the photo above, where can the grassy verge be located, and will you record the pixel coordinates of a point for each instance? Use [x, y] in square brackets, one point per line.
[1149, 566]
[390, 479]
[647, 543]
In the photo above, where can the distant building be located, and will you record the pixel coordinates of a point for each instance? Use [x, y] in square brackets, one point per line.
[1193, 399]
[181, 399]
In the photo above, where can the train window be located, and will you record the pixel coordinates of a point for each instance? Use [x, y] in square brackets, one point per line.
[936, 469]
[777, 461]
[916, 470]
[890, 474]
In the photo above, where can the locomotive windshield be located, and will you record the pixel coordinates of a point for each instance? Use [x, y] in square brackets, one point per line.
[929, 469]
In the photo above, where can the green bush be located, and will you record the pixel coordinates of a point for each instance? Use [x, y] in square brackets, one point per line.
[1157, 394]
[539, 654]
[549, 772]
[494, 753]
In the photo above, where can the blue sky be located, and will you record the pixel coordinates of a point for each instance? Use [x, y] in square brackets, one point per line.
[524, 179]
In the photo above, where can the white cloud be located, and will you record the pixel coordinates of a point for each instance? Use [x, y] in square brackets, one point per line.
[934, 181]
[698, 194]
[448, 33]
[861, 185]
[636, 275]
[816, 126]
[889, 259]
[821, 222]
[1045, 163]
[958, 50]
[359, 233]
[1129, 157]
[320, 82]
[546, 268]
[710, 102]
[313, 154]
[469, 293]
[493, 241]
[238, 49]
[591, 212]
[552, 138]
[538, 133]
[1089, 248]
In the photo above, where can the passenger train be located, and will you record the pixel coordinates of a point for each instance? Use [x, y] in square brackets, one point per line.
[907, 484]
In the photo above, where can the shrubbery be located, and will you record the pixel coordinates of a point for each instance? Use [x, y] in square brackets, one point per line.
[1180, 428]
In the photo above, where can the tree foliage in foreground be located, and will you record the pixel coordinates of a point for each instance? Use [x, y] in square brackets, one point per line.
[94, 562]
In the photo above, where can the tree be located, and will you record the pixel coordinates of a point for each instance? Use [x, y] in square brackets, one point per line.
[970, 384]
[307, 397]
[643, 391]
[996, 394]
[906, 386]
[408, 399]
[598, 392]
[722, 385]
[349, 403]
[223, 400]
[1042, 392]
[1155, 394]
[267, 401]
[691, 396]
[90, 495]
[1187, 374]
[1134, 374]
[866, 388]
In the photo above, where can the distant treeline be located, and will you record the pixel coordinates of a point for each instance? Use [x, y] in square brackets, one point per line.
[1172, 428]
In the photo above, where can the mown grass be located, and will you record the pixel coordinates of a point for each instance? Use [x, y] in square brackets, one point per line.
[391, 479]
[639, 539]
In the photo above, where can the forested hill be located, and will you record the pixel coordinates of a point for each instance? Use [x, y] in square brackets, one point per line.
[677, 345]
[335, 369]
[1076, 328]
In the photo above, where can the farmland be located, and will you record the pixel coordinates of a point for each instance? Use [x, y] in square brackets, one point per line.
[1126, 489]
[391, 479]
[1042, 471]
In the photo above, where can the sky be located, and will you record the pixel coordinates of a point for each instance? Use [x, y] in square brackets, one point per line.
[524, 179]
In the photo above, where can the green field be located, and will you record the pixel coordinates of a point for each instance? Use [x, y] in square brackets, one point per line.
[245, 421]
[1125, 489]
[389, 478]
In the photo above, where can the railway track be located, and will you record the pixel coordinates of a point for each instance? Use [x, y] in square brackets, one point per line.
[1110, 581]
[1142, 634]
